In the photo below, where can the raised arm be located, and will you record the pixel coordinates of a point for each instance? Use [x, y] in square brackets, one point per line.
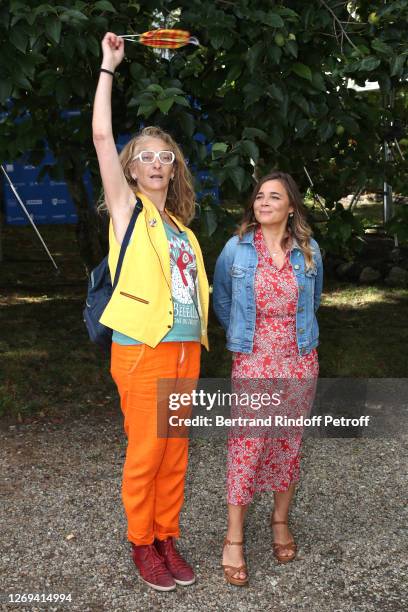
[119, 197]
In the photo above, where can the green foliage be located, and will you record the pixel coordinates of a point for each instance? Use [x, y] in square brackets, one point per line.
[399, 223]
[155, 98]
[343, 233]
[271, 80]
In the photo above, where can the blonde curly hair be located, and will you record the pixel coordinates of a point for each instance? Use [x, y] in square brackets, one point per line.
[180, 195]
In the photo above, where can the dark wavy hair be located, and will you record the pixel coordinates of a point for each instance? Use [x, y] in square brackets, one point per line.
[297, 226]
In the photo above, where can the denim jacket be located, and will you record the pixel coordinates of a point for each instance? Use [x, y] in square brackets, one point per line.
[234, 296]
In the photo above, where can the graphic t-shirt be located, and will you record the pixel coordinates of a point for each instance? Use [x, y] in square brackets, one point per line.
[183, 267]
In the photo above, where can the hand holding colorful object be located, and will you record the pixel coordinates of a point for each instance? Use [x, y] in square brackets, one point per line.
[113, 48]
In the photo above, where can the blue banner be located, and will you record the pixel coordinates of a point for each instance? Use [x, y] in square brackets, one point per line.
[49, 201]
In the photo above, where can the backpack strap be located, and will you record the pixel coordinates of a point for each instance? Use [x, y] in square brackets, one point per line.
[136, 211]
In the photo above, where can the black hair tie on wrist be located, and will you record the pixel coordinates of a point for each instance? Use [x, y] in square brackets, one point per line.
[107, 71]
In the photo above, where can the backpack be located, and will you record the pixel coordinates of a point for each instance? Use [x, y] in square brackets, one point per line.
[100, 289]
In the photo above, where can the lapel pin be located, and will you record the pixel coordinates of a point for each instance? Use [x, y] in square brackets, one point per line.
[153, 222]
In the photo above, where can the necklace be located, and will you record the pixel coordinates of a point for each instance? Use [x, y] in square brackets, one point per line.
[280, 252]
[272, 253]
[164, 215]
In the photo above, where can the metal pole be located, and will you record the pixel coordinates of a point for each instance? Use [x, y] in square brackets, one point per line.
[316, 195]
[388, 155]
[387, 196]
[19, 200]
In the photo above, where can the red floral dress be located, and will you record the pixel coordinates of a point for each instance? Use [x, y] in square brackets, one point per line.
[270, 462]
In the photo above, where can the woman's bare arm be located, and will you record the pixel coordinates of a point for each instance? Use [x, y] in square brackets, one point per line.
[119, 197]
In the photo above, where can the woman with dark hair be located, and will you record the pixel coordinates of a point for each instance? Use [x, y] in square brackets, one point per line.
[158, 314]
[267, 287]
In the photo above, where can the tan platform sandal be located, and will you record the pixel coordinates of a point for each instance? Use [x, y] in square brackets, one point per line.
[279, 548]
[230, 570]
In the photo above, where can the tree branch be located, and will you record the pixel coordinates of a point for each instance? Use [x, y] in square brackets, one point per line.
[337, 21]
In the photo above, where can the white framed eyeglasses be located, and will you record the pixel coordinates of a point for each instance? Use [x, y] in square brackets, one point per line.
[149, 157]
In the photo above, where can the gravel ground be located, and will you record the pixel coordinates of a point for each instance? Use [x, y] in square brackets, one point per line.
[64, 530]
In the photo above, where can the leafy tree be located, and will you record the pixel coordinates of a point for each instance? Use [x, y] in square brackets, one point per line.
[268, 86]
[50, 59]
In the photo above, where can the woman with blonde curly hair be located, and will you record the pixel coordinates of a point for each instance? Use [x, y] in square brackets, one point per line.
[158, 313]
[267, 286]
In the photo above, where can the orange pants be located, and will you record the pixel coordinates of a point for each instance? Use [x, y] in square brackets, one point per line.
[155, 468]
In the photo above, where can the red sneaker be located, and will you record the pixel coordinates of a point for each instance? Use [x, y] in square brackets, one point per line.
[181, 571]
[152, 568]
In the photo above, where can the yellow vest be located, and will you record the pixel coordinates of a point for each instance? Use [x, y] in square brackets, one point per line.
[141, 305]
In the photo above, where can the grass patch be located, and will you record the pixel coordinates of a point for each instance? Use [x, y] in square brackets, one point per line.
[48, 366]
[363, 331]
